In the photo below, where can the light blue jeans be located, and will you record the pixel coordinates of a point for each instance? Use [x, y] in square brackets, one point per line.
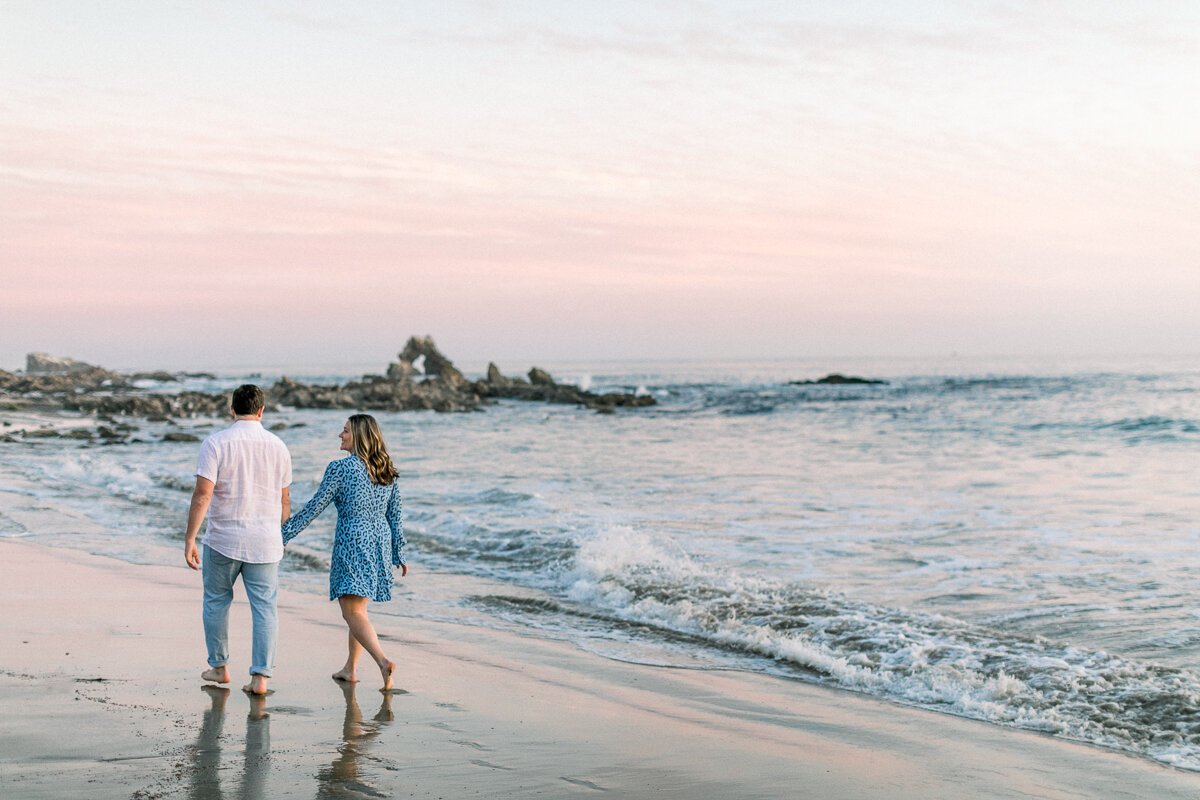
[261, 582]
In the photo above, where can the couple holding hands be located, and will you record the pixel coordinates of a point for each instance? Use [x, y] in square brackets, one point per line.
[243, 480]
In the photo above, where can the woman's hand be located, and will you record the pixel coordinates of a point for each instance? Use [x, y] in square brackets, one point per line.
[403, 570]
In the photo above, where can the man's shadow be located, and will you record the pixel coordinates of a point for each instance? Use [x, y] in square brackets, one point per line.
[344, 776]
[206, 760]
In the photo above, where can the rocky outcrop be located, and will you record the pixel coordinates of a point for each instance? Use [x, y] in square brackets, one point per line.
[542, 387]
[53, 375]
[46, 364]
[421, 350]
[149, 406]
[162, 376]
[422, 378]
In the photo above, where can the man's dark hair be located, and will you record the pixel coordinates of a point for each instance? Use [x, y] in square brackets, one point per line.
[247, 399]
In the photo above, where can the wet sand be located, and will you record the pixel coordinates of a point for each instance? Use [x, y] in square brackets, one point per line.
[101, 697]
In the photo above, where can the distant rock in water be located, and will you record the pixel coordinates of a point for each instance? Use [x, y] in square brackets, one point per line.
[423, 378]
[836, 379]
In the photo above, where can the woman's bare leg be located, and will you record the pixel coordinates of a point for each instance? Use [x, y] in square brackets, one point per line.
[354, 611]
[349, 673]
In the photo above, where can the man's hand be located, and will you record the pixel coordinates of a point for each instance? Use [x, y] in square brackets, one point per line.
[201, 497]
[191, 554]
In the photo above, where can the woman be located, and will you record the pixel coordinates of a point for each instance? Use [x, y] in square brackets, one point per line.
[363, 488]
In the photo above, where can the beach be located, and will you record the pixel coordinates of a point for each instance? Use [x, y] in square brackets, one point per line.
[100, 685]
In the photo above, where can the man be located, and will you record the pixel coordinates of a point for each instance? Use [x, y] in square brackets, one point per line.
[243, 477]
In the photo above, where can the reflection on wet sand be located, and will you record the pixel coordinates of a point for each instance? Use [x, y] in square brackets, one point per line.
[256, 764]
[343, 778]
[206, 761]
[206, 756]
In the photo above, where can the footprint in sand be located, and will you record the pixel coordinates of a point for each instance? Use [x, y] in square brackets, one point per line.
[585, 784]
[472, 745]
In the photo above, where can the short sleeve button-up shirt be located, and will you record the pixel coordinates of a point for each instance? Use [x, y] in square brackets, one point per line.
[249, 467]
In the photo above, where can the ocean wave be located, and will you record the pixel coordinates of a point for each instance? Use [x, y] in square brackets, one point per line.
[1133, 430]
[113, 477]
[301, 558]
[1151, 424]
[754, 399]
[492, 496]
[463, 545]
[927, 660]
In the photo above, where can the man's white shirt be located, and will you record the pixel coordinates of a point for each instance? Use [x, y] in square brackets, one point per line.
[249, 467]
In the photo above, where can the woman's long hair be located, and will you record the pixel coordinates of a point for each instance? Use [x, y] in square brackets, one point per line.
[368, 445]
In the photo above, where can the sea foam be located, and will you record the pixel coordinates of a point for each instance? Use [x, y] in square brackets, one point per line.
[928, 660]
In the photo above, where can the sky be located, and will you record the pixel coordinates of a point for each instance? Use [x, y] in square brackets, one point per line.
[194, 184]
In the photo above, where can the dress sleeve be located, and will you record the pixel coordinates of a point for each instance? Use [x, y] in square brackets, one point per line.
[324, 496]
[396, 523]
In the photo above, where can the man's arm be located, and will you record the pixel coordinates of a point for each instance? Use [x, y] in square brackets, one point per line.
[201, 497]
[286, 497]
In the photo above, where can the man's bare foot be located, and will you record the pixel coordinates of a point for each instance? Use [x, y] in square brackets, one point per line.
[216, 674]
[386, 669]
[346, 675]
[257, 685]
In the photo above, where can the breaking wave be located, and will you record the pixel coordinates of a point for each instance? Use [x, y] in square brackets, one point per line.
[634, 584]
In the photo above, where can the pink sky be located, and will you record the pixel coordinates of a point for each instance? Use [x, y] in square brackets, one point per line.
[272, 183]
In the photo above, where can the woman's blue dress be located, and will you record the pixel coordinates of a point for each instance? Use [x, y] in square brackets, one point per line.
[369, 539]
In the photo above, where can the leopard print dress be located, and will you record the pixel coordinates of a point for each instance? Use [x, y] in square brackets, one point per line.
[369, 539]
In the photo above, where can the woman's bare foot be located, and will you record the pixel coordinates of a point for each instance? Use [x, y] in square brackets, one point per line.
[257, 685]
[216, 674]
[346, 676]
[386, 669]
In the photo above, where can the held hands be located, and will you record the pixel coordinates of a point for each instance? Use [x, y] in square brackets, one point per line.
[191, 554]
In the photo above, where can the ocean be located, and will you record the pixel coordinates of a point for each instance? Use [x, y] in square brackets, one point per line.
[1015, 541]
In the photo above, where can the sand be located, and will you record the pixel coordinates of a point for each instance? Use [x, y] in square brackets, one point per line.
[101, 697]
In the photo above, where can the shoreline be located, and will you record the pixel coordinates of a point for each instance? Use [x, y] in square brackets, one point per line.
[100, 678]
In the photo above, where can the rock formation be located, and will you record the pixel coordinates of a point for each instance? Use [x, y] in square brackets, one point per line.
[46, 364]
[422, 378]
[433, 363]
[442, 387]
[541, 386]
